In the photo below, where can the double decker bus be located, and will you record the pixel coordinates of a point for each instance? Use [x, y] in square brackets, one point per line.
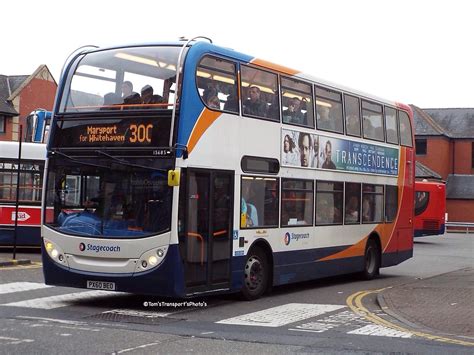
[186, 168]
[33, 156]
[430, 208]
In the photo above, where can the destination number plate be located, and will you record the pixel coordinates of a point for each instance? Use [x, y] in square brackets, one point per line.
[101, 285]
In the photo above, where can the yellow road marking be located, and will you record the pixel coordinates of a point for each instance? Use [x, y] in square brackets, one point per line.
[354, 302]
[33, 265]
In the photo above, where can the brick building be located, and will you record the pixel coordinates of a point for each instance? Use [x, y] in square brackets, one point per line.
[20, 95]
[445, 143]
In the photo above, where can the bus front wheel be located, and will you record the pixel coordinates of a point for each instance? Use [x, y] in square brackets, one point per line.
[371, 260]
[256, 274]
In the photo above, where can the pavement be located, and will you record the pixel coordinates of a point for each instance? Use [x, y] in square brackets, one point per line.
[24, 256]
[443, 303]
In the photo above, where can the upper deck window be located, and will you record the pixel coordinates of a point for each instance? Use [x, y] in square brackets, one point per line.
[125, 78]
[405, 129]
[329, 110]
[391, 125]
[259, 90]
[372, 121]
[351, 104]
[217, 84]
[297, 102]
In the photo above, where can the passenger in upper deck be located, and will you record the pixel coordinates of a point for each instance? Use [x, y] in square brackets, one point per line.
[293, 113]
[128, 95]
[254, 105]
[148, 97]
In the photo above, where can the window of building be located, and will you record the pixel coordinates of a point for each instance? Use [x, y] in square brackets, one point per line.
[405, 129]
[329, 110]
[297, 202]
[352, 206]
[391, 125]
[3, 122]
[420, 146]
[372, 203]
[217, 84]
[352, 108]
[391, 203]
[329, 198]
[259, 91]
[372, 121]
[259, 202]
[472, 155]
[297, 102]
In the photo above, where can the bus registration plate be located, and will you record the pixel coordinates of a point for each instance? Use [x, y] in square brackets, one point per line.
[101, 285]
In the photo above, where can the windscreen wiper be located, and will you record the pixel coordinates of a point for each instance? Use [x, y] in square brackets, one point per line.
[127, 163]
[79, 161]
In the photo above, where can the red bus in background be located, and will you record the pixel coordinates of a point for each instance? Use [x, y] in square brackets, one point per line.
[430, 208]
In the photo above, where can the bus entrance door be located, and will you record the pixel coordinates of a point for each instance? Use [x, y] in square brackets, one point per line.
[208, 229]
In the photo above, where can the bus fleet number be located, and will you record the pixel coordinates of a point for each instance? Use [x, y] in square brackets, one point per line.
[140, 133]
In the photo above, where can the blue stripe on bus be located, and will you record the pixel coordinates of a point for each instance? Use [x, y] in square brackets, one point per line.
[168, 278]
[26, 236]
[427, 232]
[190, 112]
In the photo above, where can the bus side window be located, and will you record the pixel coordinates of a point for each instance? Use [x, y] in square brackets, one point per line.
[259, 202]
[405, 129]
[217, 84]
[259, 90]
[329, 110]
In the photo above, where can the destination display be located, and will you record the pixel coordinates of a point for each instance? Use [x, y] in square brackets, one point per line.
[316, 151]
[130, 132]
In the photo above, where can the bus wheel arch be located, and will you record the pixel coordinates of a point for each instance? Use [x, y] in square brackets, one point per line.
[372, 257]
[258, 271]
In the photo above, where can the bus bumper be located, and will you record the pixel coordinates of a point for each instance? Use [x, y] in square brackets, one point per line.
[167, 279]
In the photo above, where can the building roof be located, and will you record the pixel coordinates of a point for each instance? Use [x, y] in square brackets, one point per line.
[460, 187]
[423, 172]
[425, 125]
[6, 107]
[448, 122]
[11, 86]
[458, 122]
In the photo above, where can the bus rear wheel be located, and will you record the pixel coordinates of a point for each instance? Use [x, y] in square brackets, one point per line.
[371, 260]
[256, 275]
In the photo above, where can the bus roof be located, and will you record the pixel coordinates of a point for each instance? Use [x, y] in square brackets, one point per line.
[231, 53]
[30, 151]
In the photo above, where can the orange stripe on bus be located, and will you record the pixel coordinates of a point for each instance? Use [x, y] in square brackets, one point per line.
[273, 66]
[385, 231]
[204, 121]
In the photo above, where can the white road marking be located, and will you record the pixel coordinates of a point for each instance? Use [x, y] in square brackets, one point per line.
[13, 341]
[282, 315]
[61, 300]
[137, 347]
[13, 287]
[381, 331]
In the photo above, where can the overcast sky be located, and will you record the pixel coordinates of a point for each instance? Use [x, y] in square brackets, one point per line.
[412, 51]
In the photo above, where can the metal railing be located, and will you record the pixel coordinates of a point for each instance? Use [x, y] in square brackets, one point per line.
[459, 227]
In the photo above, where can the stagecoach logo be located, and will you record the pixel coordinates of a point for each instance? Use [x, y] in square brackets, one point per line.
[295, 236]
[99, 248]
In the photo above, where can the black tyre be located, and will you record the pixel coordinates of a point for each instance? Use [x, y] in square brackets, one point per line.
[371, 260]
[256, 275]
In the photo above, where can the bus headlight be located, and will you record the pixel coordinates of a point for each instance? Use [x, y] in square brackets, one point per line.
[55, 252]
[151, 259]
